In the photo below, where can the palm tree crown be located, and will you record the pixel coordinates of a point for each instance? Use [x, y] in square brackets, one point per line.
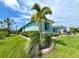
[41, 12]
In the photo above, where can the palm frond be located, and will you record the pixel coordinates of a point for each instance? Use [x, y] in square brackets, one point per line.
[36, 17]
[46, 10]
[37, 7]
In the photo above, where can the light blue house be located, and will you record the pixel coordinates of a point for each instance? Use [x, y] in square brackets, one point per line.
[45, 26]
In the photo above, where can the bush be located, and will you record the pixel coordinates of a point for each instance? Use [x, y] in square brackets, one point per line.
[6, 34]
[3, 34]
[56, 34]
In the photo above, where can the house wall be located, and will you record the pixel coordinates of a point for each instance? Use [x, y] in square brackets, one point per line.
[42, 27]
[32, 27]
[58, 29]
[54, 29]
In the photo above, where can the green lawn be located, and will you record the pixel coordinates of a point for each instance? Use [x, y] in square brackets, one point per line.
[66, 47]
[12, 47]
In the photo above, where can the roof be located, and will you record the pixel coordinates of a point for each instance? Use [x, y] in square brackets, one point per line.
[59, 26]
[50, 21]
[25, 25]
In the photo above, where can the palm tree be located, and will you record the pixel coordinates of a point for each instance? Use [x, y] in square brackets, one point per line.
[38, 17]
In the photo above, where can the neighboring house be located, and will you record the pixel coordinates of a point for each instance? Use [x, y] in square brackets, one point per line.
[45, 26]
[59, 29]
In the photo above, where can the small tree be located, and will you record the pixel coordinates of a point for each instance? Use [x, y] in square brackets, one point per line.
[40, 15]
[37, 40]
[8, 23]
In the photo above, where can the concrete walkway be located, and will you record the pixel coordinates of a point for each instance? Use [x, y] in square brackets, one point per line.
[53, 37]
[25, 37]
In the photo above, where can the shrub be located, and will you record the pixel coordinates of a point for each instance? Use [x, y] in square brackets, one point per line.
[56, 34]
[6, 34]
[3, 34]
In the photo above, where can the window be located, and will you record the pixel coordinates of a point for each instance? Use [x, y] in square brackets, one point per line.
[46, 26]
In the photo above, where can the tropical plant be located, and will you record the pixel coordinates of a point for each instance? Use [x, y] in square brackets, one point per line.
[38, 17]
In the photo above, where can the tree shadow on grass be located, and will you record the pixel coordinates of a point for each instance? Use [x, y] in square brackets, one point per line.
[2, 43]
[61, 42]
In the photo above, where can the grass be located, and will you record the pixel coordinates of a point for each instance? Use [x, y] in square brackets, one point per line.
[12, 47]
[66, 47]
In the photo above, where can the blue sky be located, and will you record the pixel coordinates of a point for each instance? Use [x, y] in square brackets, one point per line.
[65, 12]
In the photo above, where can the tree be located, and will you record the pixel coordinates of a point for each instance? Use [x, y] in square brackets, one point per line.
[38, 17]
[8, 23]
[74, 30]
[1, 24]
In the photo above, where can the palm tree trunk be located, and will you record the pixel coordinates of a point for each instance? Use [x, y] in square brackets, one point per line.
[41, 38]
[35, 45]
[40, 30]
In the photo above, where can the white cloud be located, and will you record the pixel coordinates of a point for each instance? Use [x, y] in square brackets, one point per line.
[16, 5]
[62, 9]
[11, 3]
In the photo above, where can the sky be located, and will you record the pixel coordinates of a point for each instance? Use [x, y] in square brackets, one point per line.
[65, 12]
